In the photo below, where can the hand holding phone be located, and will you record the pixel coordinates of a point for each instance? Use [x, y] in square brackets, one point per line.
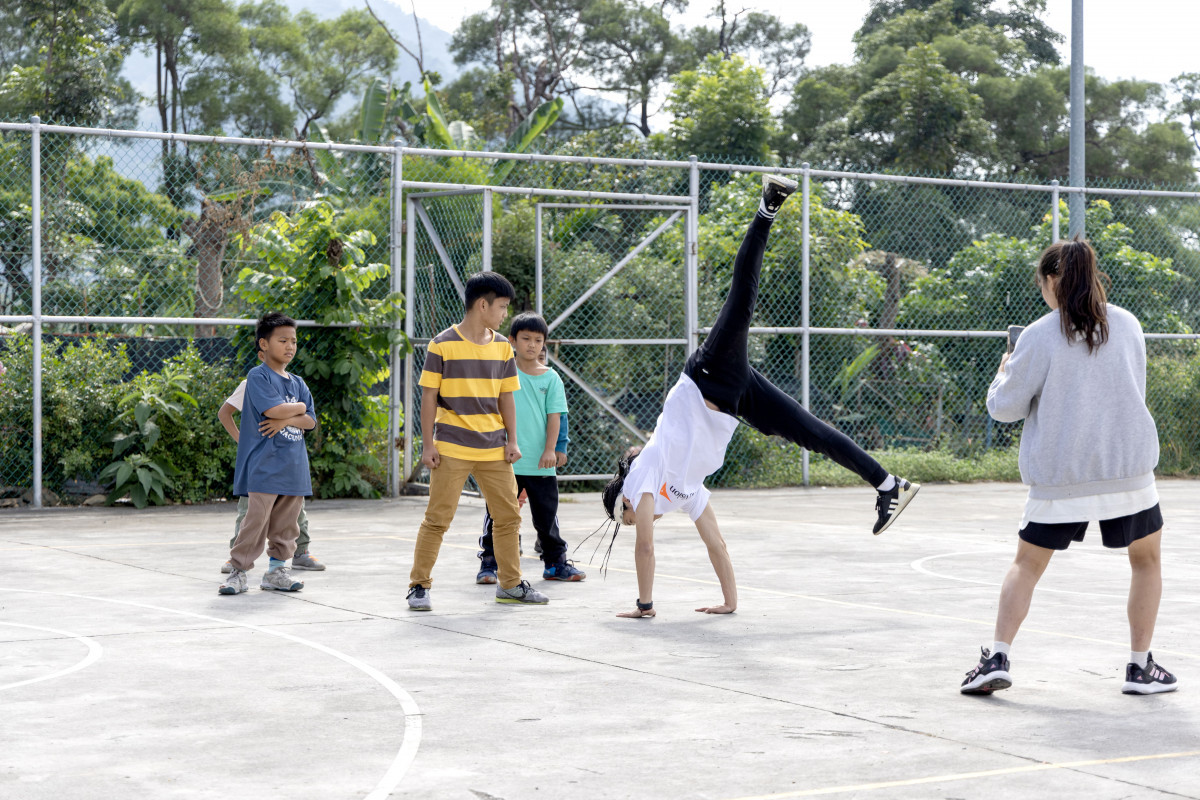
[1014, 331]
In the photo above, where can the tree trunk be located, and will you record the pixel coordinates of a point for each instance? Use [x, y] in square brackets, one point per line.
[210, 237]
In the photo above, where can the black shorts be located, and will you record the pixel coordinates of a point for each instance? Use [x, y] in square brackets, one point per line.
[1118, 532]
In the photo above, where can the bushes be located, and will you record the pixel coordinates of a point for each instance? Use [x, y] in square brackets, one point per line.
[1173, 395]
[81, 389]
[87, 401]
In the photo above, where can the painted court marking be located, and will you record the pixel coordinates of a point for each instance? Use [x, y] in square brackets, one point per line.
[93, 654]
[412, 713]
[963, 776]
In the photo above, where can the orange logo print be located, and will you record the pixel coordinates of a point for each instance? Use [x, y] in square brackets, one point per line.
[663, 492]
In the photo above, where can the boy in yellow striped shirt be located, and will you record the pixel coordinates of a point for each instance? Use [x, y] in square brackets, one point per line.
[469, 427]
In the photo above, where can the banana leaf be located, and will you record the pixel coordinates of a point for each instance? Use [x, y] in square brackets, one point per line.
[438, 132]
[526, 133]
[376, 99]
[462, 134]
[327, 161]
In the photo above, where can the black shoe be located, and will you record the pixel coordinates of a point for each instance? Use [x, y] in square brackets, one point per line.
[889, 504]
[989, 675]
[775, 190]
[1151, 680]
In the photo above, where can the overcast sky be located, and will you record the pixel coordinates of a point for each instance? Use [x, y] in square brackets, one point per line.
[1148, 39]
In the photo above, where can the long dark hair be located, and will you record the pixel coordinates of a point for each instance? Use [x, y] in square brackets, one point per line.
[612, 490]
[1080, 290]
[612, 505]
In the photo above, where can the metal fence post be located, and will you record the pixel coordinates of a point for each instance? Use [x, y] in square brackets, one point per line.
[691, 258]
[410, 316]
[1077, 202]
[1054, 212]
[487, 230]
[395, 409]
[36, 286]
[805, 343]
[537, 258]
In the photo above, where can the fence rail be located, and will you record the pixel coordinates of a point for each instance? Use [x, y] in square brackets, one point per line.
[896, 281]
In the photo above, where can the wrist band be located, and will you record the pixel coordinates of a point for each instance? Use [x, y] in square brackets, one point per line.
[644, 606]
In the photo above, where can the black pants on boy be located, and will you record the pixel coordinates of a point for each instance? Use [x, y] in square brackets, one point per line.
[542, 491]
[721, 369]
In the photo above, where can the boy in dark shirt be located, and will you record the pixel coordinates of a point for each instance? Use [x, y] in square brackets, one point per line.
[272, 462]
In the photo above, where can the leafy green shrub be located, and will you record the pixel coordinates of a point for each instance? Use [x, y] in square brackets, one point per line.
[81, 389]
[774, 462]
[169, 436]
[1173, 395]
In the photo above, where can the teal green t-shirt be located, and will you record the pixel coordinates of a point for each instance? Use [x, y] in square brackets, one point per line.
[539, 396]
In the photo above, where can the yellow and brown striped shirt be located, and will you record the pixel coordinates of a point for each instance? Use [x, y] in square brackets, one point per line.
[470, 378]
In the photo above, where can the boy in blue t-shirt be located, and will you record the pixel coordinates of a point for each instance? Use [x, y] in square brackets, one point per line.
[541, 402]
[272, 462]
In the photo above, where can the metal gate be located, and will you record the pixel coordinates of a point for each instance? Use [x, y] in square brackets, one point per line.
[616, 368]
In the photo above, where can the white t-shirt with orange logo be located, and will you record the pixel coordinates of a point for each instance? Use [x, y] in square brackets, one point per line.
[687, 446]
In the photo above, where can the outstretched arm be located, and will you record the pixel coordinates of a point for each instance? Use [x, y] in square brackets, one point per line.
[643, 555]
[718, 554]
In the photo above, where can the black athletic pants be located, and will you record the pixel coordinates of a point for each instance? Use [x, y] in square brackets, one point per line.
[542, 491]
[721, 368]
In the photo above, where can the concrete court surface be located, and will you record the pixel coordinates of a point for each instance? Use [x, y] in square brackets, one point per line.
[124, 675]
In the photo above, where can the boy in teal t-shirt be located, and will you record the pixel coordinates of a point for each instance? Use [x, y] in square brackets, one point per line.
[540, 403]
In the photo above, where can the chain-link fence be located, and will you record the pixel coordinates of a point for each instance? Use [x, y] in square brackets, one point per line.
[883, 299]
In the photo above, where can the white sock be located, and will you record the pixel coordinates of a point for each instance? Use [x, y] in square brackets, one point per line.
[1139, 658]
[762, 209]
[1000, 647]
[887, 485]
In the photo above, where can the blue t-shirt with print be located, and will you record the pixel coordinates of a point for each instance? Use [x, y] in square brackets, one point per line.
[279, 464]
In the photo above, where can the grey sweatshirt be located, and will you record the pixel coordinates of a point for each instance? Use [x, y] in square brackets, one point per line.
[1087, 428]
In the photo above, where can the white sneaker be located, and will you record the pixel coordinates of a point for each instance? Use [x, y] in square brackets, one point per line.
[281, 580]
[523, 594]
[235, 583]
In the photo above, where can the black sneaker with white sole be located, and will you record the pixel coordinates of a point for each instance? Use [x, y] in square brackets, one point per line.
[776, 189]
[889, 504]
[990, 674]
[1151, 680]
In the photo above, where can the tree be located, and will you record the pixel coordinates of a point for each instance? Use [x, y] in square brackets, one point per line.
[1020, 21]
[61, 60]
[332, 58]
[538, 42]
[721, 109]
[629, 47]
[1187, 86]
[919, 118]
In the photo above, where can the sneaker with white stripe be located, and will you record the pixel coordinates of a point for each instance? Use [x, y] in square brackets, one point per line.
[1151, 680]
[889, 504]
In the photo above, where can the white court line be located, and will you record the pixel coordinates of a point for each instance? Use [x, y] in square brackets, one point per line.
[963, 776]
[919, 566]
[412, 713]
[94, 651]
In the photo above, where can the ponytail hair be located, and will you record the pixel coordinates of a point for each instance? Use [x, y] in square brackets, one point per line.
[612, 490]
[1082, 300]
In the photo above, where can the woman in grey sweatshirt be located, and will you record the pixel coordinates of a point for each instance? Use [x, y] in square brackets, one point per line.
[1083, 461]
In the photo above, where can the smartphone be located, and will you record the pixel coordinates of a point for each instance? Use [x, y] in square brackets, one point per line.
[1014, 331]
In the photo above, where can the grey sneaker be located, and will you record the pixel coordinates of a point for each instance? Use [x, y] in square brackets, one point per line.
[523, 594]
[227, 568]
[281, 580]
[235, 583]
[307, 561]
[418, 599]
